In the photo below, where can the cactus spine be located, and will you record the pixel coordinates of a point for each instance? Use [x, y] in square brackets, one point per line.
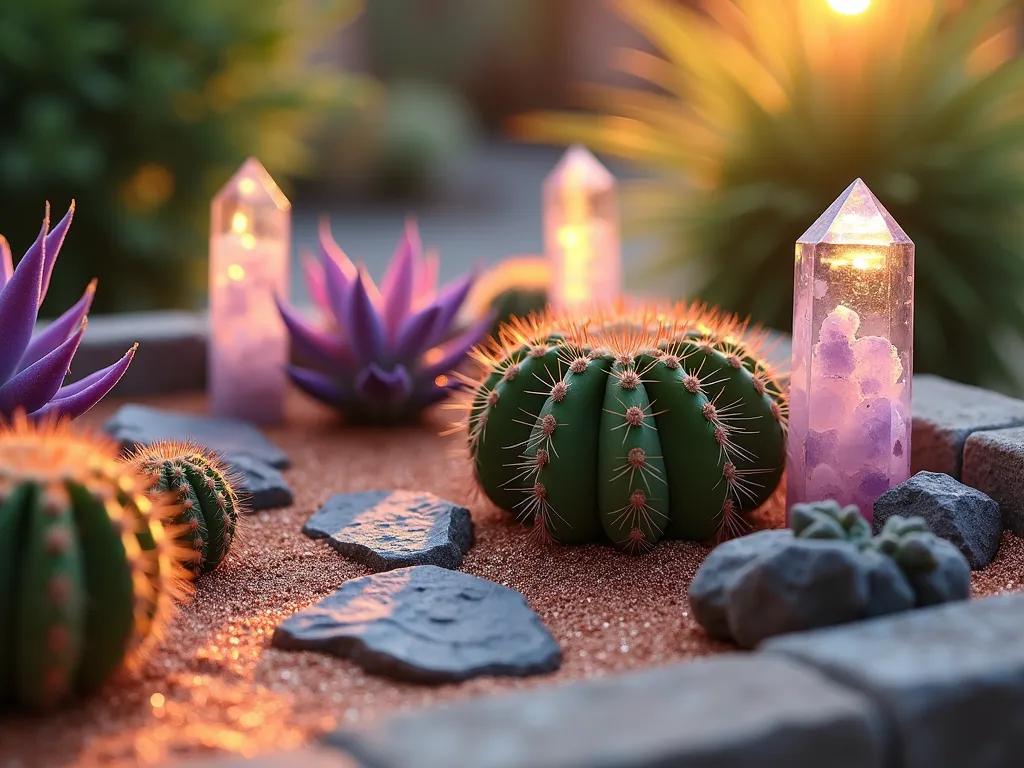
[205, 490]
[628, 428]
[88, 575]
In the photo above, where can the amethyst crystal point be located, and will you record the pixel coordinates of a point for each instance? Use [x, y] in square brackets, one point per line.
[381, 355]
[33, 365]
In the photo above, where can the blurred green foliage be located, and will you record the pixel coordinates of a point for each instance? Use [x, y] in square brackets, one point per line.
[761, 113]
[139, 110]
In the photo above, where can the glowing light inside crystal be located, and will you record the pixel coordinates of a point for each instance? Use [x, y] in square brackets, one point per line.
[849, 7]
[581, 231]
[250, 243]
[850, 390]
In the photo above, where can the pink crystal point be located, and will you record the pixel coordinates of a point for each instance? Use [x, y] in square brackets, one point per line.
[853, 330]
[250, 248]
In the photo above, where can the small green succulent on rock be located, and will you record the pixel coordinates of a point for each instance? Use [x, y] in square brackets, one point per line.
[908, 541]
[205, 492]
[827, 520]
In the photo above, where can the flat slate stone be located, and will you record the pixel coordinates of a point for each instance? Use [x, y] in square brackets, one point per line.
[394, 529]
[133, 425]
[950, 678]
[426, 625]
[958, 513]
[994, 464]
[264, 486]
[946, 413]
[729, 711]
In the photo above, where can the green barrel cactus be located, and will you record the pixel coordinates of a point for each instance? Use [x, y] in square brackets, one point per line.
[628, 428]
[208, 502]
[88, 574]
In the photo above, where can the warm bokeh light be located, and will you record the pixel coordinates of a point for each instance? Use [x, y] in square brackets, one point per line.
[849, 7]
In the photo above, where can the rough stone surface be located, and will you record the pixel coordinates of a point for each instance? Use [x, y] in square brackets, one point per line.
[950, 679]
[707, 590]
[426, 624]
[263, 486]
[135, 425]
[801, 585]
[945, 413]
[394, 529]
[889, 591]
[730, 711]
[994, 464]
[961, 515]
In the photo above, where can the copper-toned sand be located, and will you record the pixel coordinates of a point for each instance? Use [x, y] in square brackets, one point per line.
[214, 684]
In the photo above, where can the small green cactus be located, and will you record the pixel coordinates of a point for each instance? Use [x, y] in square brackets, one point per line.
[627, 428]
[205, 490]
[88, 574]
[827, 520]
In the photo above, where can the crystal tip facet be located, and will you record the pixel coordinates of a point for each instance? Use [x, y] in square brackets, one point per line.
[579, 167]
[856, 217]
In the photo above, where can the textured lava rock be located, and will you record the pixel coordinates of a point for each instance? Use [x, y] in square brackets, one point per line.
[394, 529]
[708, 587]
[962, 515]
[427, 625]
[133, 425]
[950, 581]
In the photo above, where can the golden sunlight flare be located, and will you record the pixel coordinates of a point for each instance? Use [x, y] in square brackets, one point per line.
[849, 7]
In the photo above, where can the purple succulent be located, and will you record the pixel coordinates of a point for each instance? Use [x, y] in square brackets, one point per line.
[33, 366]
[381, 355]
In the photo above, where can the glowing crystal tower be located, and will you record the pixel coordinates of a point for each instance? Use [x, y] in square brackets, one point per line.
[581, 232]
[853, 332]
[250, 243]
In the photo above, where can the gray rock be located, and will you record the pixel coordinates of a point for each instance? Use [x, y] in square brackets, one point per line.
[427, 625]
[719, 569]
[949, 582]
[945, 413]
[803, 584]
[888, 588]
[994, 464]
[394, 529]
[133, 425]
[263, 486]
[950, 679]
[730, 711]
[955, 512]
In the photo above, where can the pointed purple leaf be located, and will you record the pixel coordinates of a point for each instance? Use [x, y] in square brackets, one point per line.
[364, 328]
[33, 388]
[47, 340]
[75, 399]
[378, 387]
[316, 347]
[414, 332]
[426, 278]
[6, 262]
[318, 386]
[397, 285]
[339, 293]
[316, 283]
[54, 240]
[331, 251]
[19, 305]
[450, 300]
[454, 351]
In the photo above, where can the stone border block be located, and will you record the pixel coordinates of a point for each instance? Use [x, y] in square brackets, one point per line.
[729, 711]
[946, 413]
[994, 464]
[948, 680]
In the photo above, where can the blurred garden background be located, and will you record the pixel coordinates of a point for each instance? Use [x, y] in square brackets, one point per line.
[731, 123]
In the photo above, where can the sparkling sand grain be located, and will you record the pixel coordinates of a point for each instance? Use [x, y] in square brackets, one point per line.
[214, 684]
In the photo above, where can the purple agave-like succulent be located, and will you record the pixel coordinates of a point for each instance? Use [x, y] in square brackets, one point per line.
[33, 365]
[380, 355]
